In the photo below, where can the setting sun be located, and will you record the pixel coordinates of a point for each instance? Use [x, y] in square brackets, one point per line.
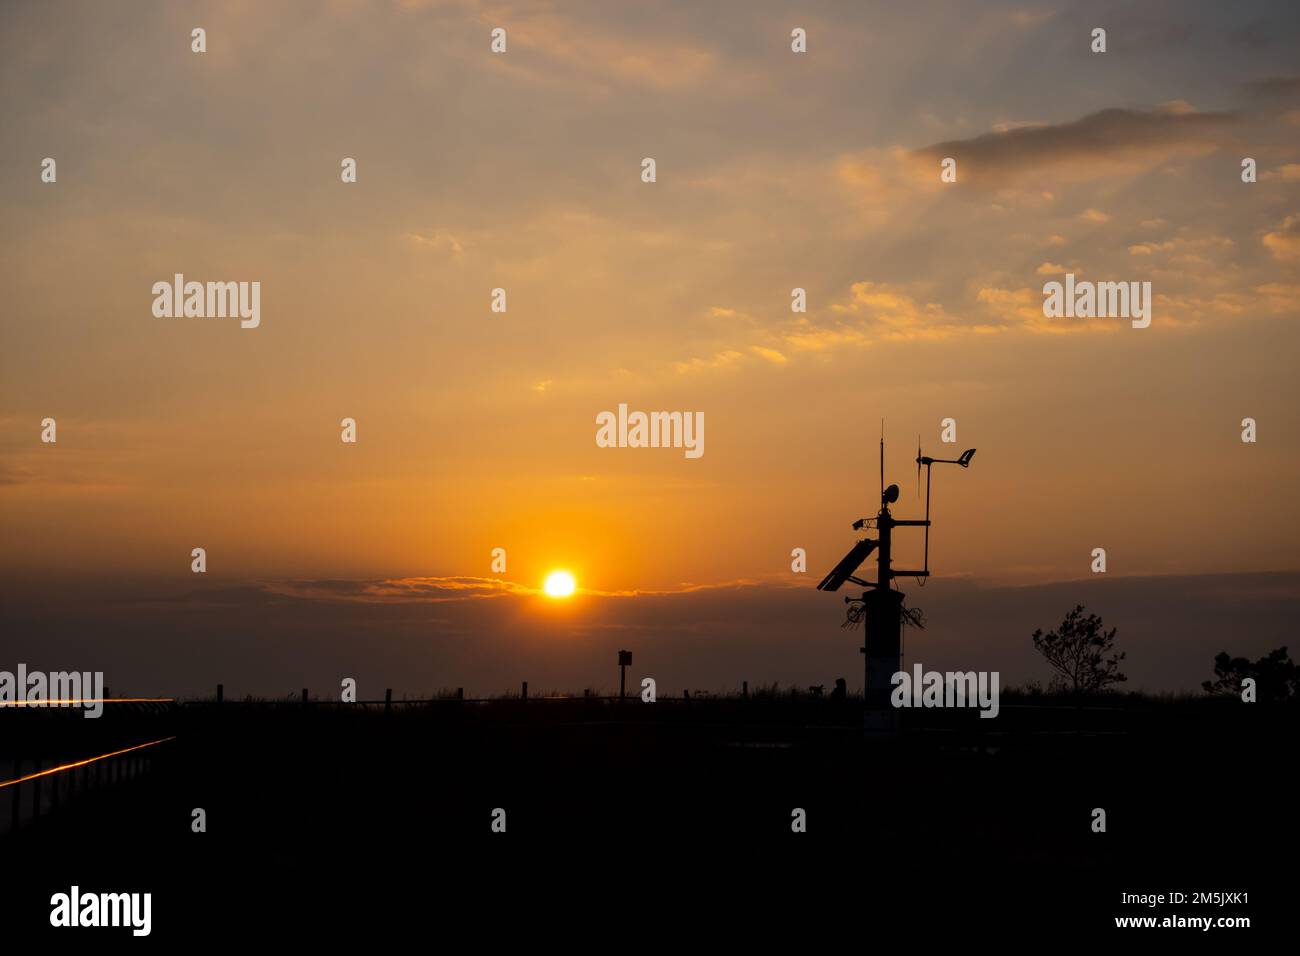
[559, 584]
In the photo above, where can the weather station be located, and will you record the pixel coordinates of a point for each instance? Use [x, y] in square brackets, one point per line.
[881, 606]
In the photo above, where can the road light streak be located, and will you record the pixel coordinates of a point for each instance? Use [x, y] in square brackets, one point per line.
[81, 763]
[86, 700]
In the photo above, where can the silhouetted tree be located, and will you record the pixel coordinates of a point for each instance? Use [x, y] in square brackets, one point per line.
[1078, 649]
[1276, 676]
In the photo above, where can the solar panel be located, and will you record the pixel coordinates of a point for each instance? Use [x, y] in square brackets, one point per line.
[848, 564]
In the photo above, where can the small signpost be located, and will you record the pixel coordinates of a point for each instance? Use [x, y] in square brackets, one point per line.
[624, 661]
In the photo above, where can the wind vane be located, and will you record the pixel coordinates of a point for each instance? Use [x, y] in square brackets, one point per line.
[880, 604]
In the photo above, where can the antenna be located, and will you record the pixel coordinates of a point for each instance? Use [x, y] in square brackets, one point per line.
[918, 465]
[882, 459]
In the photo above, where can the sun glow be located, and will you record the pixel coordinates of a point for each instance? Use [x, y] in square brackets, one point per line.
[559, 584]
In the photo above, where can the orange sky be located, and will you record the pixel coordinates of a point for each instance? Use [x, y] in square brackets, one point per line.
[476, 429]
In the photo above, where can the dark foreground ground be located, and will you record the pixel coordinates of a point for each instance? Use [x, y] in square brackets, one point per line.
[665, 824]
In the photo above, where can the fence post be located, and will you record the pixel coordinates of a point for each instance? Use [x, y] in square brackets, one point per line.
[18, 790]
[524, 693]
[388, 700]
[460, 693]
[744, 689]
[304, 697]
[221, 692]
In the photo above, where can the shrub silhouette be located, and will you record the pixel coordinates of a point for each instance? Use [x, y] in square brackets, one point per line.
[1078, 651]
[1276, 676]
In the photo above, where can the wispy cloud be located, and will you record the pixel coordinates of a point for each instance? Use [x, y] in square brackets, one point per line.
[1094, 146]
[454, 589]
[421, 590]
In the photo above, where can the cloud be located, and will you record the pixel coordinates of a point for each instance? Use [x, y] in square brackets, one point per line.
[1274, 87]
[438, 590]
[438, 242]
[880, 312]
[894, 314]
[550, 48]
[877, 179]
[1029, 19]
[1279, 296]
[423, 590]
[772, 355]
[1023, 308]
[1186, 310]
[1284, 241]
[1091, 146]
[11, 475]
[804, 336]
[728, 358]
[1185, 250]
[1094, 216]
